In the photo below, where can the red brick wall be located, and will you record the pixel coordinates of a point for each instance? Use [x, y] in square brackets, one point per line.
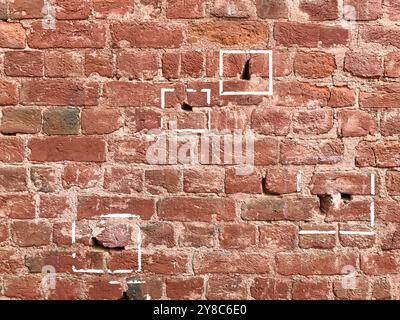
[79, 94]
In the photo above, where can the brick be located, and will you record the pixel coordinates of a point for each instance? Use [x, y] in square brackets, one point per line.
[353, 183]
[141, 291]
[99, 62]
[270, 289]
[192, 64]
[281, 181]
[11, 150]
[389, 122]
[180, 9]
[272, 9]
[31, 234]
[309, 35]
[67, 35]
[100, 289]
[63, 64]
[65, 289]
[320, 10]
[8, 93]
[142, 65]
[12, 35]
[379, 263]
[393, 182]
[392, 9]
[106, 8]
[114, 235]
[184, 289]
[231, 262]
[55, 149]
[229, 32]
[221, 120]
[311, 290]
[356, 123]
[300, 94]
[278, 236]
[378, 154]
[341, 97]
[359, 293]
[237, 183]
[226, 287]
[314, 65]
[129, 150]
[319, 241]
[94, 206]
[237, 236]
[12, 179]
[61, 121]
[355, 241]
[80, 175]
[363, 64]
[383, 35]
[392, 65]
[4, 232]
[384, 96]
[158, 234]
[124, 94]
[170, 65]
[322, 263]
[123, 180]
[21, 120]
[23, 63]
[139, 119]
[64, 93]
[44, 179]
[23, 287]
[100, 121]
[381, 289]
[271, 121]
[54, 206]
[197, 209]
[197, 235]
[313, 122]
[234, 9]
[275, 209]
[145, 35]
[365, 10]
[326, 152]
[73, 9]
[11, 262]
[26, 9]
[163, 181]
[17, 207]
[203, 180]
[266, 151]
[344, 210]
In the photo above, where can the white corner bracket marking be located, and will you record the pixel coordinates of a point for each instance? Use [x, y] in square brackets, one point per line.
[269, 92]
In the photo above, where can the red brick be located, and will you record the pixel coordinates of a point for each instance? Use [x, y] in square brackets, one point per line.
[389, 123]
[11, 150]
[266, 151]
[237, 183]
[31, 234]
[101, 289]
[123, 180]
[383, 96]
[231, 262]
[326, 152]
[12, 35]
[67, 35]
[125, 94]
[316, 263]
[25, 9]
[309, 35]
[393, 182]
[145, 35]
[314, 65]
[73, 9]
[44, 179]
[21, 120]
[92, 206]
[163, 180]
[386, 36]
[341, 97]
[66, 289]
[158, 234]
[363, 64]
[55, 149]
[378, 154]
[138, 119]
[4, 232]
[171, 62]
[229, 32]
[365, 9]
[23, 63]
[54, 206]
[237, 236]
[184, 289]
[17, 207]
[270, 289]
[344, 210]
[197, 235]
[181, 9]
[8, 93]
[129, 150]
[152, 288]
[272, 9]
[300, 94]
[226, 287]
[319, 241]
[192, 63]
[63, 64]
[380, 263]
[107, 8]
[22, 287]
[271, 121]
[233, 9]
[320, 10]
[61, 121]
[274, 209]
[381, 289]
[197, 209]
[141, 65]
[80, 175]
[356, 241]
[12, 179]
[311, 290]
[392, 9]
[359, 293]
[278, 236]
[231, 119]
[64, 93]
[313, 122]
[99, 62]
[11, 262]
[100, 121]
[281, 181]
[356, 123]
[353, 183]
[392, 65]
[200, 180]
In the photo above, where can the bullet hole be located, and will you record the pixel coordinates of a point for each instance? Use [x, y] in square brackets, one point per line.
[186, 107]
[325, 203]
[264, 185]
[246, 71]
[345, 197]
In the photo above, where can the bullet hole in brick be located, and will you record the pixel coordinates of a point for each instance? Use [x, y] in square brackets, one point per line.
[9, 134]
[345, 197]
[325, 202]
[186, 107]
[246, 71]
[264, 185]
